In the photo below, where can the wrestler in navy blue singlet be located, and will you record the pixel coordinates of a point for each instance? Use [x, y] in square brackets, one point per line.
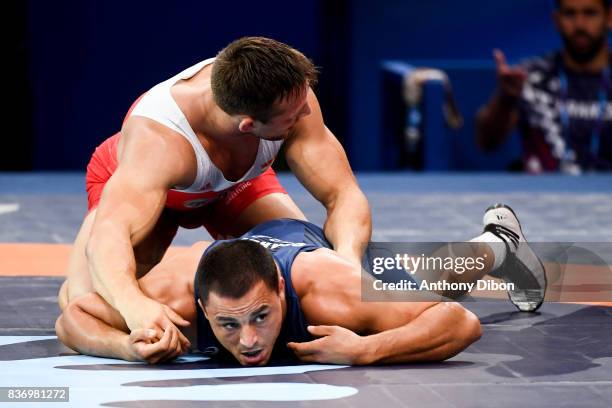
[285, 239]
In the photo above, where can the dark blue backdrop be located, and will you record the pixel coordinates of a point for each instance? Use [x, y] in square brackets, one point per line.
[90, 59]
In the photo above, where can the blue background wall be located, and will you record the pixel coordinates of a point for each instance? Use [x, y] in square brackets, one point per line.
[91, 59]
[88, 60]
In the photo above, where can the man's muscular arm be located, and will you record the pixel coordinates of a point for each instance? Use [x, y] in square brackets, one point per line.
[91, 326]
[437, 333]
[389, 332]
[149, 164]
[319, 162]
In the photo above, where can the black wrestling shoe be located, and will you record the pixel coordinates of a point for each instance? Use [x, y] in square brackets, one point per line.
[522, 267]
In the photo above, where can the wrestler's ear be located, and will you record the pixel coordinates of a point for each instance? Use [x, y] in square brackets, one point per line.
[203, 308]
[281, 285]
[246, 125]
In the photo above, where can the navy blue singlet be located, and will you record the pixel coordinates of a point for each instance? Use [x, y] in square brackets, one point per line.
[285, 239]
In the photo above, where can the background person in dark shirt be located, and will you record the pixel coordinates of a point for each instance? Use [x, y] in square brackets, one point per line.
[561, 102]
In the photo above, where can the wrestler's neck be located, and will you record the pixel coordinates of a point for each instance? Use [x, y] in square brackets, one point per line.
[596, 65]
[217, 126]
[209, 122]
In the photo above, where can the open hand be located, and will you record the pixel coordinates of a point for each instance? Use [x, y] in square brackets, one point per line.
[336, 345]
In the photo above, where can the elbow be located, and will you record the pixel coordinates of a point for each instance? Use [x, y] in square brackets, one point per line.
[473, 328]
[357, 198]
[347, 195]
[466, 331]
[61, 331]
[468, 328]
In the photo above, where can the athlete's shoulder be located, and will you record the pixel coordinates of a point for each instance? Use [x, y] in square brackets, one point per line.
[142, 132]
[319, 270]
[329, 289]
[147, 144]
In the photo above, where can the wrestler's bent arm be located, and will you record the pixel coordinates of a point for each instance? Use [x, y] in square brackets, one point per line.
[91, 326]
[391, 332]
[131, 204]
[439, 332]
[320, 163]
[86, 326]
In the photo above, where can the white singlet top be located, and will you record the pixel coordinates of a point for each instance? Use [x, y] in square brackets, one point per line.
[159, 105]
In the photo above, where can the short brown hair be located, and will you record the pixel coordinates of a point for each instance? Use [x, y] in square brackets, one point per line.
[232, 268]
[252, 73]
